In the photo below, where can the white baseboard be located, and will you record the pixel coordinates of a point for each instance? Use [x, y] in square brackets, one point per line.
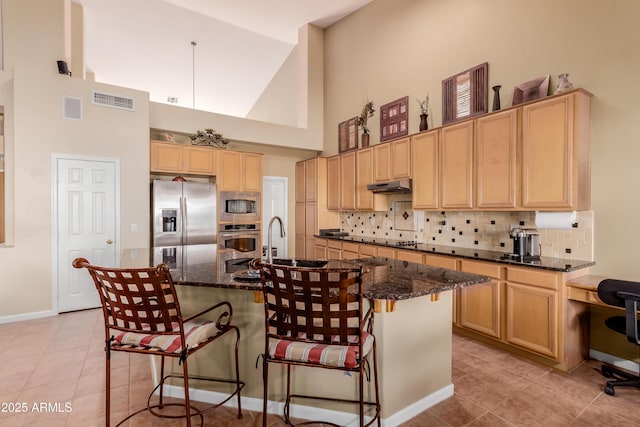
[309, 412]
[27, 316]
[614, 360]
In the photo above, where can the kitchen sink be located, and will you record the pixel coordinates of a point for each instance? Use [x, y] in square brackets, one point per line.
[305, 263]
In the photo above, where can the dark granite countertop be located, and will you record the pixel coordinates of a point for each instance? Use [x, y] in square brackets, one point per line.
[547, 263]
[384, 279]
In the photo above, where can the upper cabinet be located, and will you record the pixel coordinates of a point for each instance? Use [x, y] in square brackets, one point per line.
[496, 167]
[348, 181]
[240, 171]
[392, 160]
[176, 158]
[426, 170]
[366, 199]
[333, 183]
[456, 166]
[556, 154]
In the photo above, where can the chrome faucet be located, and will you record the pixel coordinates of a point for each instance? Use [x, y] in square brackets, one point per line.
[269, 238]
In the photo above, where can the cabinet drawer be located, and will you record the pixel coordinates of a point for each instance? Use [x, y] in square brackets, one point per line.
[583, 295]
[387, 252]
[410, 256]
[335, 244]
[441, 261]
[367, 250]
[483, 268]
[350, 247]
[533, 277]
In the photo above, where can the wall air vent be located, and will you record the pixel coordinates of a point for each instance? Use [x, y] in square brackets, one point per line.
[113, 101]
[71, 108]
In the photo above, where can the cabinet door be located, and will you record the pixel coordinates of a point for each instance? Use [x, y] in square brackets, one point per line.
[300, 246]
[311, 180]
[364, 177]
[348, 175]
[456, 166]
[386, 252]
[400, 158]
[410, 256]
[333, 183]
[532, 318]
[231, 171]
[547, 153]
[424, 154]
[300, 185]
[300, 223]
[333, 253]
[252, 168]
[496, 167]
[310, 219]
[480, 305]
[382, 162]
[200, 160]
[166, 157]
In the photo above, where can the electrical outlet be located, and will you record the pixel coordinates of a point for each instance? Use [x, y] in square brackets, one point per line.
[134, 227]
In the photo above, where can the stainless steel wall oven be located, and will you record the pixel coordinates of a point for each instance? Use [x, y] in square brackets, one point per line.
[238, 244]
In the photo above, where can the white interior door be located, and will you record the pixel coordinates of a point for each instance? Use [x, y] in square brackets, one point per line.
[86, 208]
[274, 202]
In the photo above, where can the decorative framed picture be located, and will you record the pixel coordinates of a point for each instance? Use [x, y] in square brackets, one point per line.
[394, 119]
[466, 94]
[348, 135]
[531, 90]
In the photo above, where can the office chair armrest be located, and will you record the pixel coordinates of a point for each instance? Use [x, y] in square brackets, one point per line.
[223, 320]
[631, 315]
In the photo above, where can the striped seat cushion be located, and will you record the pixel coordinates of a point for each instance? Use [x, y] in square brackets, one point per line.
[342, 356]
[195, 332]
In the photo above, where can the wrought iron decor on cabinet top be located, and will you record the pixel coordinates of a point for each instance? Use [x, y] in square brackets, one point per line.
[210, 138]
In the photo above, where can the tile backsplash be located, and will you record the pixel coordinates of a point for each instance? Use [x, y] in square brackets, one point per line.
[480, 230]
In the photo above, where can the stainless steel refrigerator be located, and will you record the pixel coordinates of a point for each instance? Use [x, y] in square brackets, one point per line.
[184, 213]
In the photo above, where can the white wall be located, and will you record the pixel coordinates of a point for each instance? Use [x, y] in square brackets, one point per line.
[390, 49]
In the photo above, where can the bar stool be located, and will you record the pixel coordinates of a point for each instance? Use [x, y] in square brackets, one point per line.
[142, 315]
[314, 317]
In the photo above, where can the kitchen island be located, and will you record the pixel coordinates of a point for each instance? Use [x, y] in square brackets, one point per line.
[414, 337]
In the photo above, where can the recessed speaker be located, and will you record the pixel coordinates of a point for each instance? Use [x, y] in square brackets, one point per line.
[63, 68]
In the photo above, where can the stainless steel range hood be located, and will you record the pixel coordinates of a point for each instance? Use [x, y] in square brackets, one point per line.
[399, 186]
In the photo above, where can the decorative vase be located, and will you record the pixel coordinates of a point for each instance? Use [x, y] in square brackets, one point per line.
[564, 85]
[365, 140]
[496, 97]
[424, 123]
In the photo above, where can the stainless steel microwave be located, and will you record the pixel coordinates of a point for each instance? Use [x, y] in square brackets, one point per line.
[239, 207]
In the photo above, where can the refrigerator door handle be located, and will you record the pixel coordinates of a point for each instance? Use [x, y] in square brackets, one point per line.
[183, 224]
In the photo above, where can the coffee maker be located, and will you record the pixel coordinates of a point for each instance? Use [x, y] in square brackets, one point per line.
[526, 243]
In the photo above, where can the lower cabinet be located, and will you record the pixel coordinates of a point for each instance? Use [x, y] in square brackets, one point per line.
[479, 305]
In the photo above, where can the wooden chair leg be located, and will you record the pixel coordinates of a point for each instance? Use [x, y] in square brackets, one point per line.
[361, 391]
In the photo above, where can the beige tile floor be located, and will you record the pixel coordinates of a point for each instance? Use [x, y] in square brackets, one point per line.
[58, 360]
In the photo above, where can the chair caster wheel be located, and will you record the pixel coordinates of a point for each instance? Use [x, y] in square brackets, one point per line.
[609, 390]
[606, 372]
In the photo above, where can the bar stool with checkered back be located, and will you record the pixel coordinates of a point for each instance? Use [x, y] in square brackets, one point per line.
[142, 315]
[315, 317]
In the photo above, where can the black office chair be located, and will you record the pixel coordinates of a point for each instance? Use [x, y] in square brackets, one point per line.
[625, 294]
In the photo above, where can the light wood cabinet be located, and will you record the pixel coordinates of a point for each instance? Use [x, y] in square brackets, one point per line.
[496, 166]
[480, 306]
[410, 256]
[348, 184]
[333, 183]
[300, 182]
[176, 158]
[320, 249]
[386, 252]
[366, 199]
[392, 160]
[334, 249]
[556, 153]
[456, 166]
[240, 171]
[350, 250]
[311, 213]
[426, 170]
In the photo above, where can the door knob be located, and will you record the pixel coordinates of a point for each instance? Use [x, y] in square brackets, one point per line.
[109, 242]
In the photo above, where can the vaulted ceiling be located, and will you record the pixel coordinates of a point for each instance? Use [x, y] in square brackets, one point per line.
[239, 46]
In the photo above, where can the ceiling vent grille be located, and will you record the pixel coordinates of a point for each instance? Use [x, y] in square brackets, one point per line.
[113, 101]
